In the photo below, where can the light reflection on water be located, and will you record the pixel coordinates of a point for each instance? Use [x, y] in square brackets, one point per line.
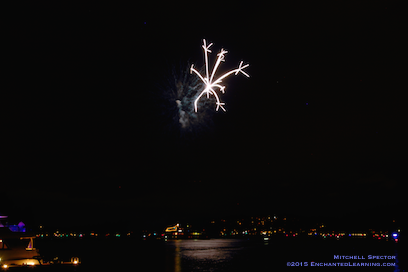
[202, 255]
[218, 255]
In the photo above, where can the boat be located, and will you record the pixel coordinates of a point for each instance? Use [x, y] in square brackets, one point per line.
[17, 248]
[177, 232]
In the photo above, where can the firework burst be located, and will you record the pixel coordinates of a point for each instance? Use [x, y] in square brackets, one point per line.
[211, 84]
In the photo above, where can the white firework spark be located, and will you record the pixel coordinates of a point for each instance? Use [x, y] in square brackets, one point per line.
[210, 83]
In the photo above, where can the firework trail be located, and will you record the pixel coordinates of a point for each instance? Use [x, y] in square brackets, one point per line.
[212, 83]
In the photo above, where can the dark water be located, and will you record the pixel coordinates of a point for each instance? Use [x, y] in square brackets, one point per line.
[244, 255]
[219, 255]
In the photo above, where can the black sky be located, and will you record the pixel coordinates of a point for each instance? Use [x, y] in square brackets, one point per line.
[319, 126]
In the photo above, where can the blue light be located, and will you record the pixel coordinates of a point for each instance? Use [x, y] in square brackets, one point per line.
[395, 235]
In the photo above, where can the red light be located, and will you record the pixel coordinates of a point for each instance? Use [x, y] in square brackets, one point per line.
[396, 240]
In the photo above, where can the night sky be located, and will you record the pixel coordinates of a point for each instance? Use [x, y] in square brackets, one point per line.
[318, 128]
